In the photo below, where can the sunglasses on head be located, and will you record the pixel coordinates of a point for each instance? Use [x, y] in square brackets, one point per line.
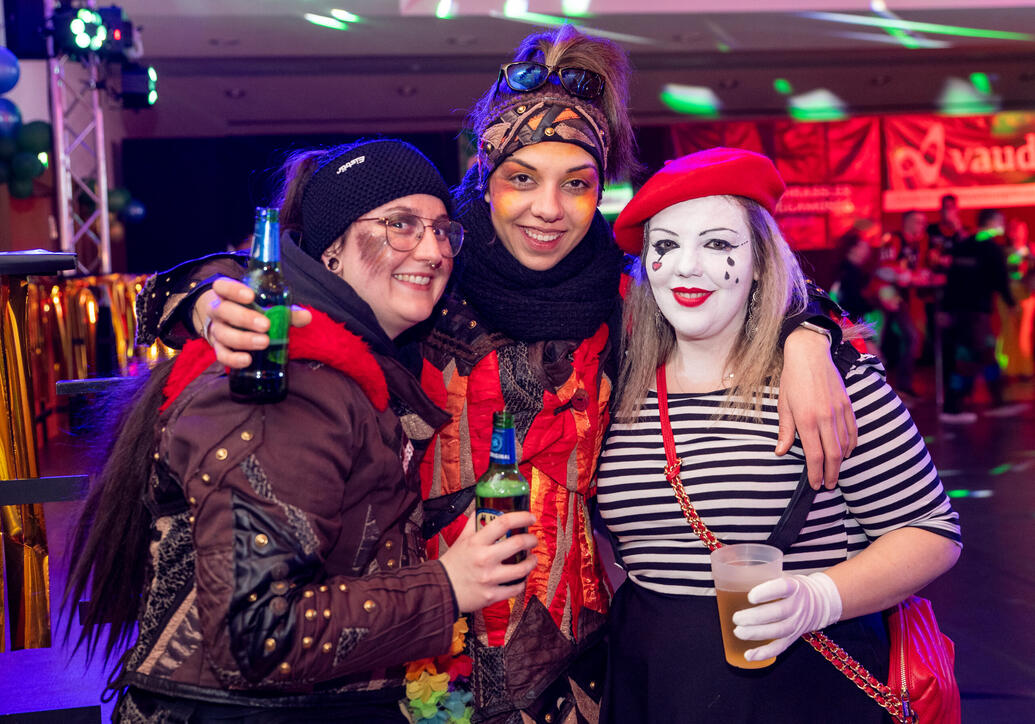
[527, 75]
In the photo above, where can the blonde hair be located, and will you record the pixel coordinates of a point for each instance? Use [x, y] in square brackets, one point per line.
[568, 46]
[648, 339]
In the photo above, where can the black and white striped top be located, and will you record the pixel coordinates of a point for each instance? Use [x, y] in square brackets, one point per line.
[740, 488]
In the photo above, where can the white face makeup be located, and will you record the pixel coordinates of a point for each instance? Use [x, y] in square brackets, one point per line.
[699, 265]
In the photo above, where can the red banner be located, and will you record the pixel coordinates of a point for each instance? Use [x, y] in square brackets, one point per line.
[987, 161]
[832, 170]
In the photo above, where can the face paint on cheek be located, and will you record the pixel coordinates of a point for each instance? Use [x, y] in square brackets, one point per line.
[655, 265]
[585, 205]
[372, 248]
[503, 199]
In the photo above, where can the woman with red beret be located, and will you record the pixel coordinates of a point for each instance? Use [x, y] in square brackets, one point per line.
[713, 280]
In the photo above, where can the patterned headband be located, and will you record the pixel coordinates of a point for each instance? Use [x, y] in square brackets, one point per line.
[524, 121]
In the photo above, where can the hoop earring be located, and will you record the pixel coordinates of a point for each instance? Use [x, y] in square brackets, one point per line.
[332, 264]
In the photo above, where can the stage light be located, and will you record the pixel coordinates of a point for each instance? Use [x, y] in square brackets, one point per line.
[575, 8]
[515, 8]
[981, 82]
[81, 32]
[783, 86]
[816, 105]
[345, 16]
[961, 98]
[139, 86]
[325, 22]
[699, 101]
[444, 10]
[78, 31]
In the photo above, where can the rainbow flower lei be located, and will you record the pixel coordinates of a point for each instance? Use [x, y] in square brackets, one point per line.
[438, 689]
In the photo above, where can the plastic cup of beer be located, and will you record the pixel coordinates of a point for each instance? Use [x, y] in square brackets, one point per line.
[737, 569]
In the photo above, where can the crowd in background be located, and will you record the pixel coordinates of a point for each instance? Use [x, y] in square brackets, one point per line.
[944, 289]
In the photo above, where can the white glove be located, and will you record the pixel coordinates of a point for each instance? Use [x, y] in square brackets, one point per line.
[799, 604]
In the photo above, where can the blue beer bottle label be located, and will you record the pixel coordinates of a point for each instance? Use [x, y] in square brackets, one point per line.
[502, 450]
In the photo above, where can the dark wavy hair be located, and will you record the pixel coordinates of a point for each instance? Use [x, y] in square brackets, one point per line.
[111, 538]
[567, 45]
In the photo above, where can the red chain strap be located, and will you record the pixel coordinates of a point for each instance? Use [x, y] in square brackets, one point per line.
[856, 672]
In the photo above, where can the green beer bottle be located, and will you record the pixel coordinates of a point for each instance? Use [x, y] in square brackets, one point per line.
[265, 379]
[502, 489]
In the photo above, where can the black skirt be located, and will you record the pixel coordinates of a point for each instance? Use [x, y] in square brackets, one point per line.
[667, 666]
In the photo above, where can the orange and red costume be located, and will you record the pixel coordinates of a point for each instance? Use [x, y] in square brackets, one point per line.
[522, 646]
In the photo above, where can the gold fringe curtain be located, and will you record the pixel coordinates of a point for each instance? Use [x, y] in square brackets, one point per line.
[22, 528]
[51, 329]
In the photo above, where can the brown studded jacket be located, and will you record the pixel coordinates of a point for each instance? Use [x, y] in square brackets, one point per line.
[287, 560]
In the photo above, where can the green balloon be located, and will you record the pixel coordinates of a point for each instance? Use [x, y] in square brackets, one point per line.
[118, 198]
[7, 147]
[25, 165]
[21, 188]
[34, 137]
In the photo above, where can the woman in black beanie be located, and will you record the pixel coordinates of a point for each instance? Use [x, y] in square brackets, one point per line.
[530, 327]
[270, 557]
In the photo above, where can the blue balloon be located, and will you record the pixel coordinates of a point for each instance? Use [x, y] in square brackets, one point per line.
[9, 70]
[10, 118]
[134, 211]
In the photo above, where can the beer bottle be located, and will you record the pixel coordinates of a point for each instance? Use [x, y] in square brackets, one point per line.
[502, 489]
[265, 379]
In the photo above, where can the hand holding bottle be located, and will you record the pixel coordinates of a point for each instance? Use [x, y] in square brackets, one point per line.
[224, 316]
[475, 562]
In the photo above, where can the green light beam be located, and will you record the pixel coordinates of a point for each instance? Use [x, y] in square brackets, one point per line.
[552, 20]
[933, 28]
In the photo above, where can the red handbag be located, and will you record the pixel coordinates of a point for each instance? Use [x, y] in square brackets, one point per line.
[921, 685]
[922, 658]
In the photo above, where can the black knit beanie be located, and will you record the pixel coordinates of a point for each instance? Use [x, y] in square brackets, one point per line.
[357, 178]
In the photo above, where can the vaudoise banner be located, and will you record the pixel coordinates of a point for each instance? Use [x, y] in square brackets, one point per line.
[987, 161]
[841, 171]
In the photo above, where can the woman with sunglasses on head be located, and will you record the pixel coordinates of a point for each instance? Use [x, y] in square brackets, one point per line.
[270, 555]
[693, 435]
[531, 326]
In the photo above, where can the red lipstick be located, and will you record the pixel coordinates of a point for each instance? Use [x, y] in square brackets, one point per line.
[696, 297]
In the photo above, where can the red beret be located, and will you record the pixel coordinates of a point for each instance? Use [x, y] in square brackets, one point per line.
[715, 172]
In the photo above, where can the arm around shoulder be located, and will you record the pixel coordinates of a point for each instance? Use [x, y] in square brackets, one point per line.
[166, 302]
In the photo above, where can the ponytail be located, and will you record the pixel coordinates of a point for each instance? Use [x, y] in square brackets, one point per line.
[111, 538]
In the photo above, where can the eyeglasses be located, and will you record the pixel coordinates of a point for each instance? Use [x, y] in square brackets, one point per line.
[527, 75]
[403, 232]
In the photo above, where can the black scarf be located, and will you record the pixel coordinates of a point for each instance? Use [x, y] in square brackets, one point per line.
[569, 301]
